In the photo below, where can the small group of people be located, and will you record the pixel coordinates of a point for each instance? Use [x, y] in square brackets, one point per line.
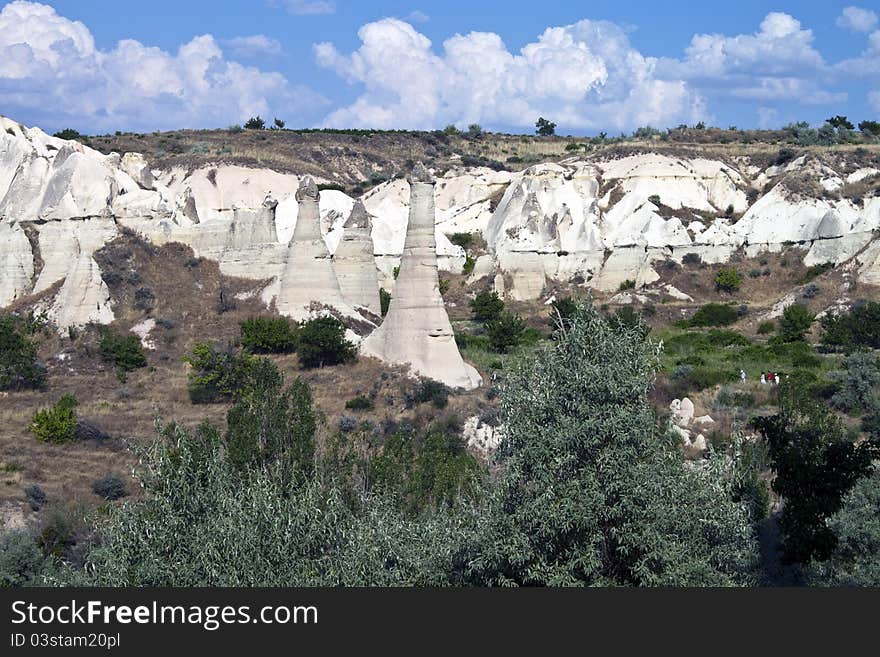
[766, 377]
[770, 377]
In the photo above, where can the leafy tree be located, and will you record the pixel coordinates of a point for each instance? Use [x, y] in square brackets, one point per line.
[870, 127]
[827, 135]
[124, 351]
[840, 122]
[21, 560]
[505, 332]
[464, 240]
[19, 366]
[69, 134]
[728, 280]
[857, 383]
[56, 424]
[384, 300]
[545, 128]
[591, 490]
[562, 311]
[321, 341]
[272, 426]
[795, 322]
[815, 465]
[487, 306]
[217, 373]
[255, 123]
[855, 559]
[474, 130]
[268, 335]
[204, 521]
[860, 327]
[714, 314]
[279, 124]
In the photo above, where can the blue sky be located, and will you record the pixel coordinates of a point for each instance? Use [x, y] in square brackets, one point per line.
[101, 66]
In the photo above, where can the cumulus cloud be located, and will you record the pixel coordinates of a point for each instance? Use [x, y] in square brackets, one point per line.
[857, 19]
[305, 7]
[255, 45]
[585, 75]
[51, 73]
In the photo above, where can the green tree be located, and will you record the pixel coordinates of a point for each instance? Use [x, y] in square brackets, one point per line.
[56, 424]
[840, 122]
[505, 332]
[860, 327]
[279, 124]
[384, 300]
[815, 465]
[562, 310]
[19, 366]
[268, 335]
[21, 560]
[870, 127]
[857, 383]
[272, 426]
[124, 351]
[255, 123]
[855, 560]
[592, 491]
[321, 341]
[795, 322]
[545, 128]
[216, 372]
[487, 306]
[728, 280]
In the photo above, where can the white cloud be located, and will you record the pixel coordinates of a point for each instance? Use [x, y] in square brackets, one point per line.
[417, 16]
[585, 75]
[857, 19]
[305, 7]
[255, 45]
[52, 74]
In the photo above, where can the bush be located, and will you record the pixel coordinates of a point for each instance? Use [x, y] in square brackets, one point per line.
[468, 267]
[464, 240]
[767, 326]
[124, 351]
[714, 314]
[795, 322]
[432, 391]
[359, 403]
[35, 496]
[110, 488]
[857, 383]
[728, 280]
[443, 286]
[811, 290]
[56, 424]
[321, 341]
[216, 373]
[19, 367]
[255, 123]
[628, 284]
[487, 306]
[860, 327]
[21, 560]
[691, 259]
[268, 335]
[505, 332]
[384, 300]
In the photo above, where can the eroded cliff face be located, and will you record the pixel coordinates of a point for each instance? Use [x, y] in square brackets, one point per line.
[593, 221]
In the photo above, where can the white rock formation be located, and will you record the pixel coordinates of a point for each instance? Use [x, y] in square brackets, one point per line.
[416, 329]
[354, 263]
[308, 276]
[16, 263]
[481, 436]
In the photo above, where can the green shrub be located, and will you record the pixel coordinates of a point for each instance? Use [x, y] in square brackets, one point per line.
[384, 300]
[217, 373]
[795, 322]
[321, 341]
[110, 488]
[359, 403]
[268, 335]
[443, 286]
[56, 424]
[21, 560]
[124, 351]
[857, 383]
[817, 270]
[714, 314]
[628, 284]
[691, 259]
[860, 327]
[432, 391]
[469, 264]
[464, 240]
[35, 496]
[505, 332]
[19, 367]
[720, 338]
[767, 326]
[728, 280]
[487, 306]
